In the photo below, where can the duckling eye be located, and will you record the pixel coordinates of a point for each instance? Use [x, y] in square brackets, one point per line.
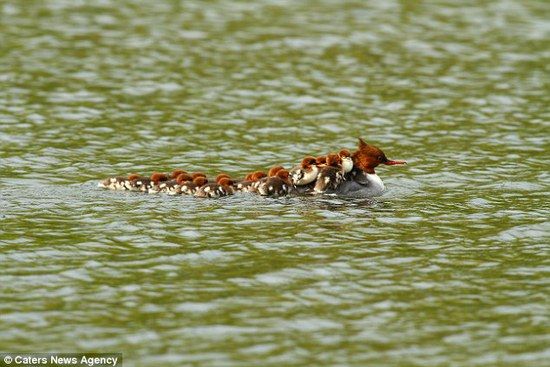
[380, 158]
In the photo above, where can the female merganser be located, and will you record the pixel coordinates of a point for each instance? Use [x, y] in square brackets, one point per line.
[363, 180]
[331, 175]
[305, 173]
[223, 187]
[275, 186]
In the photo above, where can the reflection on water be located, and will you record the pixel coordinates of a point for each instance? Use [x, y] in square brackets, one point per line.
[449, 267]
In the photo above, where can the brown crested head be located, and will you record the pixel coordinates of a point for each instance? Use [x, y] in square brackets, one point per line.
[308, 162]
[159, 177]
[258, 175]
[321, 160]
[344, 153]
[220, 176]
[225, 181]
[184, 177]
[273, 170]
[248, 177]
[133, 177]
[333, 160]
[177, 172]
[197, 174]
[368, 157]
[200, 180]
[283, 174]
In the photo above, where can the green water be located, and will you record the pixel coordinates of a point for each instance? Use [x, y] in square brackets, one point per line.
[449, 268]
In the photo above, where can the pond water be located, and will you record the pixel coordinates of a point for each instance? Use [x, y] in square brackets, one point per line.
[450, 267]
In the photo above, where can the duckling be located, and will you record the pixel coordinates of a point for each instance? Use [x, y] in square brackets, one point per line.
[191, 187]
[156, 179]
[271, 173]
[275, 186]
[242, 185]
[347, 160]
[331, 176]
[249, 183]
[223, 187]
[305, 173]
[172, 187]
[113, 183]
[134, 182]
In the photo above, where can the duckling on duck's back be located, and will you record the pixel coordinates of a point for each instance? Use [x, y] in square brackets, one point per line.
[305, 173]
[330, 176]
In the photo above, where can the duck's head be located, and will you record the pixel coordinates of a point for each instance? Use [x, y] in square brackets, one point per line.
[333, 160]
[222, 175]
[197, 174]
[200, 181]
[273, 170]
[225, 181]
[308, 162]
[177, 172]
[157, 177]
[285, 176]
[184, 177]
[258, 175]
[368, 157]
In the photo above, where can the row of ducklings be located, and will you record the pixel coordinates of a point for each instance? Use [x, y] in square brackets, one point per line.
[315, 175]
[197, 184]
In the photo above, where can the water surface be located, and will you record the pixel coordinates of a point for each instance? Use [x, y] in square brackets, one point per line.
[448, 268]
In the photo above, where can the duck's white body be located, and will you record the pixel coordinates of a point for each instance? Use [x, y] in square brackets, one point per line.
[361, 185]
